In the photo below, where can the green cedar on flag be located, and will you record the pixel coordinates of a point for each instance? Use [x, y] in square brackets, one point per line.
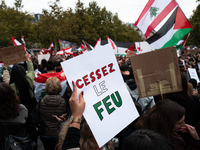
[176, 27]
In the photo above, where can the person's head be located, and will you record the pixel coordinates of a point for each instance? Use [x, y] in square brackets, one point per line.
[43, 63]
[194, 83]
[124, 68]
[17, 73]
[147, 140]
[50, 66]
[9, 102]
[162, 118]
[53, 86]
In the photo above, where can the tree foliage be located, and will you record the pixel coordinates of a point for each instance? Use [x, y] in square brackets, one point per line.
[195, 22]
[15, 23]
[82, 23]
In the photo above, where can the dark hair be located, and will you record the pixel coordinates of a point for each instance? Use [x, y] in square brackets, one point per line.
[194, 82]
[50, 66]
[18, 77]
[147, 140]
[9, 102]
[162, 117]
[124, 67]
[43, 63]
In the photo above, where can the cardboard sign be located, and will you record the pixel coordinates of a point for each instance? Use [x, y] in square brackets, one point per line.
[193, 74]
[109, 107]
[43, 56]
[130, 53]
[157, 72]
[12, 55]
[193, 52]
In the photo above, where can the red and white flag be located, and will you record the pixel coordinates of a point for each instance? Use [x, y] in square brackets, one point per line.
[98, 44]
[40, 83]
[15, 42]
[153, 13]
[60, 52]
[114, 46]
[51, 46]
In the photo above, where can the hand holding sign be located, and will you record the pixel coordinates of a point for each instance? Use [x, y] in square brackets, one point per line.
[77, 106]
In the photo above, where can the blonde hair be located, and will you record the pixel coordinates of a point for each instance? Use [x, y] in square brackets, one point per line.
[53, 86]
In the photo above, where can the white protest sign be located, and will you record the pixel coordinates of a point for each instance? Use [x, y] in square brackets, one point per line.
[109, 107]
[43, 56]
[193, 74]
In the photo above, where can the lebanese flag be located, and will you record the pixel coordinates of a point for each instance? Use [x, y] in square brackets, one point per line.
[51, 46]
[98, 44]
[175, 28]
[40, 83]
[114, 46]
[69, 49]
[68, 53]
[15, 42]
[60, 52]
[153, 13]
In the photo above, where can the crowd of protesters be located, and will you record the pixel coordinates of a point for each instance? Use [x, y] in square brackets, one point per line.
[168, 123]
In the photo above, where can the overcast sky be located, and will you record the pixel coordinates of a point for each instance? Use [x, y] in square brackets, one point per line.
[128, 10]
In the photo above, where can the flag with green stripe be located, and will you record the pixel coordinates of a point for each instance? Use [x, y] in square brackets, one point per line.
[176, 27]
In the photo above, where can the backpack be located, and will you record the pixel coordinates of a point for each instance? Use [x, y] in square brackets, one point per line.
[35, 125]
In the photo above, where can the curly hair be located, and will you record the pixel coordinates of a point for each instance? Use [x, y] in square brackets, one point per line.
[9, 102]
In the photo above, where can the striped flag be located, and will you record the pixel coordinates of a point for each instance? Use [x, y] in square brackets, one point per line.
[176, 27]
[88, 46]
[40, 83]
[15, 42]
[98, 44]
[153, 13]
[114, 46]
[51, 46]
[23, 41]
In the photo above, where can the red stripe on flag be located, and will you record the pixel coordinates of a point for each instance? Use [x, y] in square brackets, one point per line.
[160, 17]
[14, 41]
[43, 77]
[146, 8]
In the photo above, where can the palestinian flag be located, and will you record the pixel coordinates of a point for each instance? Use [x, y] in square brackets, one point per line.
[88, 46]
[40, 83]
[182, 43]
[22, 38]
[131, 48]
[176, 27]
